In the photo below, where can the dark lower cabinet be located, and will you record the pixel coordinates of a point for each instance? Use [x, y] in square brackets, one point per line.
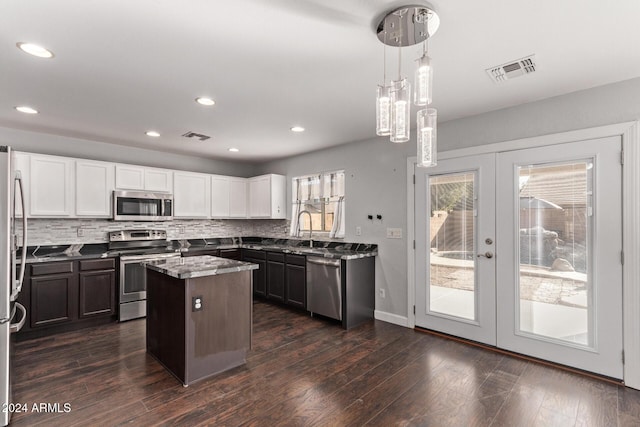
[96, 280]
[97, 294]
[275, 276]
[212, 252]
[231, 254]
[296, 281]
[66, 295]
[54, 299]
[280, 277]
[259, 275]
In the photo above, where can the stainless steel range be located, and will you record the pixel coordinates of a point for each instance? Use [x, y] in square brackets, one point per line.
[136, 246]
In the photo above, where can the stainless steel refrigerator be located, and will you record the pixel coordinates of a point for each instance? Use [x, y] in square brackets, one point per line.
[12, 313]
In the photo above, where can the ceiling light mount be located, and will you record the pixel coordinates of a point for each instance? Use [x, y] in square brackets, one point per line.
[408, 25]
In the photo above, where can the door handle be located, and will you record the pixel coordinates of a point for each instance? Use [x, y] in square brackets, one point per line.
[15, 327]
[486, 255]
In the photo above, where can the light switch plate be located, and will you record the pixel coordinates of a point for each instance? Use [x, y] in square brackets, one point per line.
[394, 233]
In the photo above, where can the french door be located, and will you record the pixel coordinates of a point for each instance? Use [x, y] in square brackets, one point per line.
[455, 233]
[521, 250]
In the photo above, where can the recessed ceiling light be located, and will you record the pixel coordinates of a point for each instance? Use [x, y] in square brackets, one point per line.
[234, 150]
[27, 110]
[35, 50]
[152, 133]
[205, 101]
[297, 129]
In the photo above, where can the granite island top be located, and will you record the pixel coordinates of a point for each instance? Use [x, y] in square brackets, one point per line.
[198, 266]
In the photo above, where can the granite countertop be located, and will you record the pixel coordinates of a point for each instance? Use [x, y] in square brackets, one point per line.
[53, 253]
[327, 249]
[198, 266]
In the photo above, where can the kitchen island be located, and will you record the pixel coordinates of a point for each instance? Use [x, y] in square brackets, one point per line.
[199, 314]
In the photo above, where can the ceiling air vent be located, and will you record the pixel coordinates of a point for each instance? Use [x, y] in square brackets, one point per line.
[200, 136]
[510, 70]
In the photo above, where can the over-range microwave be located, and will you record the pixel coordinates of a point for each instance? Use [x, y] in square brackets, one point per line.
[142, 206]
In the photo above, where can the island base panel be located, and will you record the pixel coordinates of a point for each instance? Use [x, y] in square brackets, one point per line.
[196, 344]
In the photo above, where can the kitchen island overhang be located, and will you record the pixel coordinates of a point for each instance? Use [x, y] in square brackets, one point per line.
[199, 314]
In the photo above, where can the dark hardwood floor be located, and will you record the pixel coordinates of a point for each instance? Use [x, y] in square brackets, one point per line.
[305, 371]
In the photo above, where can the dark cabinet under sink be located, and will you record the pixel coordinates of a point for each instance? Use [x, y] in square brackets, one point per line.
[280, 277]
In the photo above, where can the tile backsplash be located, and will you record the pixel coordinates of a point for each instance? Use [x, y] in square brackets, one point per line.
[69, 231]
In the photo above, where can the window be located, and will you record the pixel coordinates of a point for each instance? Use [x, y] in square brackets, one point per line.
[318, 204]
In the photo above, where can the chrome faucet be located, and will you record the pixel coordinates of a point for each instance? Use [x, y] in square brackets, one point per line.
[310, 225]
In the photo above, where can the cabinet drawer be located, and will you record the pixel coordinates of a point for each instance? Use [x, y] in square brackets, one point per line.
[230, 253]
[275, 256]
[98, 264]
[296, 259]
[212, 252]
[252, 253]
[52, 268]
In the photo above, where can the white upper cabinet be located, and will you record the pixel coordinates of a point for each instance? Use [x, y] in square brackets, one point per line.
[158, 180]
[129, 177]
[95, 182]
[267, 195]
[63, 187]
[220, 196]
[237, 197]
[51, 189]
[191, 195]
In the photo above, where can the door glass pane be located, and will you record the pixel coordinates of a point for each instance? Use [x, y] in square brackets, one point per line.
[554, 238]
[452, 234]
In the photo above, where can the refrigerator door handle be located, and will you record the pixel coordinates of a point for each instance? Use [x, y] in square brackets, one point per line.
[15, 327]
[24, 235]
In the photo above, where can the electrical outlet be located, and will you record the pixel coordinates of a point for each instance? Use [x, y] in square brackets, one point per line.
[180, 230]
[196, 303]
[394, 233]
[80, 232]
[358, 231]
[382, 293]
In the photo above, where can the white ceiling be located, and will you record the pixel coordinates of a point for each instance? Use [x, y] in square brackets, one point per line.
[124, 67]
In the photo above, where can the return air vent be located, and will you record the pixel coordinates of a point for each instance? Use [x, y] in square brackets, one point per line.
[200, 136]
[510, 70]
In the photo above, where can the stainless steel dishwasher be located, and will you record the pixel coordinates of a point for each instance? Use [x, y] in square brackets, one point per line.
[324, 290]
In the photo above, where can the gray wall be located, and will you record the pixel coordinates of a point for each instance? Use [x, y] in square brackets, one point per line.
[376, 169]
[34, 142]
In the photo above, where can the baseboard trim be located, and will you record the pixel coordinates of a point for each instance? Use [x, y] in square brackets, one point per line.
[391, 318]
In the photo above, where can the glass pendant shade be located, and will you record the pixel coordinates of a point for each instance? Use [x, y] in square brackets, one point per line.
[400, 110]
[423, 81]
[427, 139]
[383, 111]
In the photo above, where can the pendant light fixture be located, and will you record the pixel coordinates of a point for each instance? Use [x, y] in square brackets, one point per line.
[383, 102]
[423, 79]
[427, 141]
[408, 26]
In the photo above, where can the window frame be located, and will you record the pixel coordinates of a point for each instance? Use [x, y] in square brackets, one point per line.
[322, 201]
